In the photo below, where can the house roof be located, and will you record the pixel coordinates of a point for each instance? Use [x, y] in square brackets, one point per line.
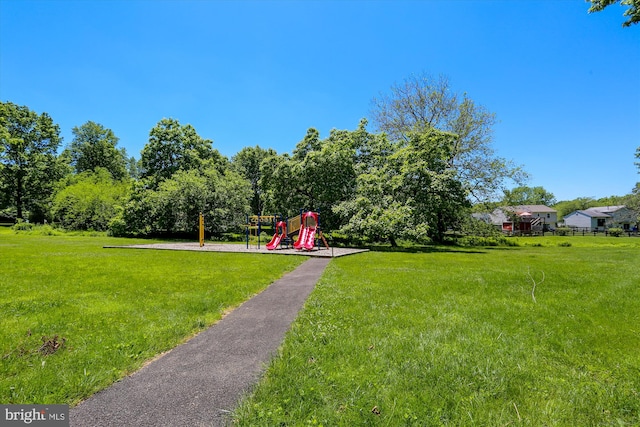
[605, 209]
[589, 213]
[530, 208]
[499, 215]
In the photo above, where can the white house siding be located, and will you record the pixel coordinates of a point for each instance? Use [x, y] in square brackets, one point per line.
[579, 220]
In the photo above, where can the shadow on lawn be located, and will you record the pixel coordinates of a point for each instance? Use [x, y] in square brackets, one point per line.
[427, 249]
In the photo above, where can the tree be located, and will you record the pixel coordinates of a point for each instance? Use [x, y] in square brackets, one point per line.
[406, 189]
[421, 103]
[247, 163]
[173, 147]
[318, 176]
[633, 10]
[29, 165]
[528, 196]
[94, 146]
[89, 200]
[173, 207]
[565, 207]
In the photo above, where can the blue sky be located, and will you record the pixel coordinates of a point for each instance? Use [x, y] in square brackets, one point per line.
[564, 84]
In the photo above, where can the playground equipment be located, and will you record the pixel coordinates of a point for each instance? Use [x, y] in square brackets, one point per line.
[279, 236]
[309, 227]
[254, 225]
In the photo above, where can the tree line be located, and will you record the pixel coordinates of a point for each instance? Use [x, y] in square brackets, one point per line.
[417, 177]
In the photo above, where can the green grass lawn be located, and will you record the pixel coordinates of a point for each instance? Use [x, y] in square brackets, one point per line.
[75, 317]
[460, 337]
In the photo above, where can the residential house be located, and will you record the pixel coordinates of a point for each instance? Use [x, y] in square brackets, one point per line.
[602, 217]
[522, 219]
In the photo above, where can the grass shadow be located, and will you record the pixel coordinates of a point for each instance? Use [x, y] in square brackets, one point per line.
[426, 249]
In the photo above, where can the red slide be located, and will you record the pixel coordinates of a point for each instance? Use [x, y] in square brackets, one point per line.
[277, 238]
[300, 242]
[310, 240]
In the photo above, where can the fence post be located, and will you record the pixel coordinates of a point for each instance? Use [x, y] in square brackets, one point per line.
[201, 227]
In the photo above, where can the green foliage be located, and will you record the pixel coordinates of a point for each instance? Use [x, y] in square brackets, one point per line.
[29, 167]
[22, 225]
[318, 176]
[89, 200]
[93, 147]
[36, 229]
[454, 337]
[615, 232]
[175, 205]
[633, 10]
[524, 195]
[422, 103]
[405, 190]
[563, 231]
[564, 208]
[247, 163]
[115, 308]
[173, 147]
[470, 241]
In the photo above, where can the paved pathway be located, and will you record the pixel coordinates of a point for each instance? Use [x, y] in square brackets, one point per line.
[200, 382]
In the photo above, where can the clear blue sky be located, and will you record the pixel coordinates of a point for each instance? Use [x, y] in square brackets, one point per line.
[564, 84]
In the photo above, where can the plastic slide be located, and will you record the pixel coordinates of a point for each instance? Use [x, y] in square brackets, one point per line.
[310, 239]
[275, 241]
[301, 239]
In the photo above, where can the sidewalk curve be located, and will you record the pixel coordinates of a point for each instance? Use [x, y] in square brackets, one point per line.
[200, 382]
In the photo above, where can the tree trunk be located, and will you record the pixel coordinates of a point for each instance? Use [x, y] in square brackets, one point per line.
[19, 195]
[393, 242]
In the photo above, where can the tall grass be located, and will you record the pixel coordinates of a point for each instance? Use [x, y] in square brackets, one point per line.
[75, 317]
[457, 337]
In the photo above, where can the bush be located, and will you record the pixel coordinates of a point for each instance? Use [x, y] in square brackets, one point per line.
[485, 241]
[89, 201]
[615, 232]
[563, 231]
[21, 225]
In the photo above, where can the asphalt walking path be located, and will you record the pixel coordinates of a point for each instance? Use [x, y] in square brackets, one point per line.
[201, 381]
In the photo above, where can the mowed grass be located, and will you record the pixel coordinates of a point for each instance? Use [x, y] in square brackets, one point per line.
[455, 337]
[75, 317]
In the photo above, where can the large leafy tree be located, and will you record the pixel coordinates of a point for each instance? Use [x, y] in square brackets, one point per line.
[319, 175]
[405, 189]
[524, 195]
[29, 167]
[247, 163]
[175, 205]
[94, 146]
[173, 147]
[633, 9]
[421, 103]
[89, 200]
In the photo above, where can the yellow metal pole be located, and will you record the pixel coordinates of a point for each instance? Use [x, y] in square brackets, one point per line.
[201, 230]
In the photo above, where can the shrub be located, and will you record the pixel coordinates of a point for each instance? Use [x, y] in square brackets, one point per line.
[485, 241]
[563, 231]
[616, 232]
[89, 201]
[21, 225]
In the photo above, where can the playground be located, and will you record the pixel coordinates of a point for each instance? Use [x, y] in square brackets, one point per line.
[306, 226]
[239, 248]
